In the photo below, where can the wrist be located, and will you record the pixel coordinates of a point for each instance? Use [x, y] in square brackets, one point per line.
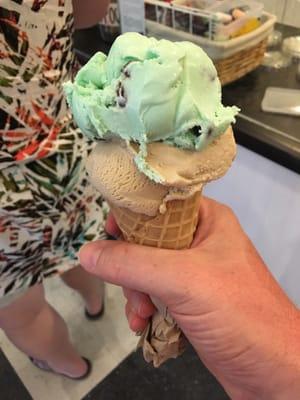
[277, 372]
[283, 382]
[289, 387]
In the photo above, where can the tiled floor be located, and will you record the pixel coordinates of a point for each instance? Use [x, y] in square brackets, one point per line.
[105, 342]
[184, 378]
[11, 386]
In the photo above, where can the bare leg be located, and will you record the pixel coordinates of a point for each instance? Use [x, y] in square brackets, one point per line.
[89, 287]
[38, 330]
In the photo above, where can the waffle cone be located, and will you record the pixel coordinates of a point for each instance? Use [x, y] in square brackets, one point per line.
[162, 339]
[172, 230]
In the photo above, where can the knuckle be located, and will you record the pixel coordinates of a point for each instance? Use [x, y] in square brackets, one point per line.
[228, 213]
[116, 272]
[110, 260]
[145, 310]
[102, 257]
[226, 210]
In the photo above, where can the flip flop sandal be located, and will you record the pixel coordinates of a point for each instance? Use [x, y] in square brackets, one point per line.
[43, 365]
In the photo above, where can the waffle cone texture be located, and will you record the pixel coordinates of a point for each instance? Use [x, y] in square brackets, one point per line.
[172, 230]
[162, 339]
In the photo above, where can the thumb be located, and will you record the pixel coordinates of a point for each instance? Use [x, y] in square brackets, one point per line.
[146, 269]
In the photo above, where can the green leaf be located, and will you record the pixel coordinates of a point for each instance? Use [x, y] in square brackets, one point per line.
[8, 99]
[39, 170]
[24, 48]
[9, 70]
[17, 60]
[5, 82]
[27, 75]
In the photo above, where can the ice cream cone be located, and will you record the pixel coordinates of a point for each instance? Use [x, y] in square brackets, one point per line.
[158, 215]
[174, 229]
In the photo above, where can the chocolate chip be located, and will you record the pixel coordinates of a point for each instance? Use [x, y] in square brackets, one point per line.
[209, 132]
[120, 90]
[121, 102]
[121, 96]
[125, 69]
[197, 130]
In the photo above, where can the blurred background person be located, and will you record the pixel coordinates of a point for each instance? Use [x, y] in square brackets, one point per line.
[47, 207]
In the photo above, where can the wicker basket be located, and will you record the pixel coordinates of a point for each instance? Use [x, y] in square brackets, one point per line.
[241, 63]
[233, 58]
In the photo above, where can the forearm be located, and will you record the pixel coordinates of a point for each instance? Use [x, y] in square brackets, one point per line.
[260, 358]
[87, 13]
[282, 381]
[288, 374]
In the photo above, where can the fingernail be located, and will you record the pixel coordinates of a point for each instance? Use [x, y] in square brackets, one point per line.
[88, 256]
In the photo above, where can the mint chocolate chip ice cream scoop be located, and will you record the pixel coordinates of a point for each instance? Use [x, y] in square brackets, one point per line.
[149, 90]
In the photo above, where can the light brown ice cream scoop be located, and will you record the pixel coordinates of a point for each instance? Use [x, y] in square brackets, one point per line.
[112, 171]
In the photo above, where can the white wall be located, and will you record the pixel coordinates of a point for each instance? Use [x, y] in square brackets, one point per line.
[274, 6]
[292, 13]
[287, 11]
[266, 198]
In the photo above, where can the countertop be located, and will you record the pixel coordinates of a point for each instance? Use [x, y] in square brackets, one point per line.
[276, 137]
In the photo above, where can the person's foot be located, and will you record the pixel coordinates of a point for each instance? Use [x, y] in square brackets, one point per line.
[88, 286]
[94, 304]
[75, 373]
[96, 315]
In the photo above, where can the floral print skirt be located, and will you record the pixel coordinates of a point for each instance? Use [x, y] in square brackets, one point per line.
[48, 210]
